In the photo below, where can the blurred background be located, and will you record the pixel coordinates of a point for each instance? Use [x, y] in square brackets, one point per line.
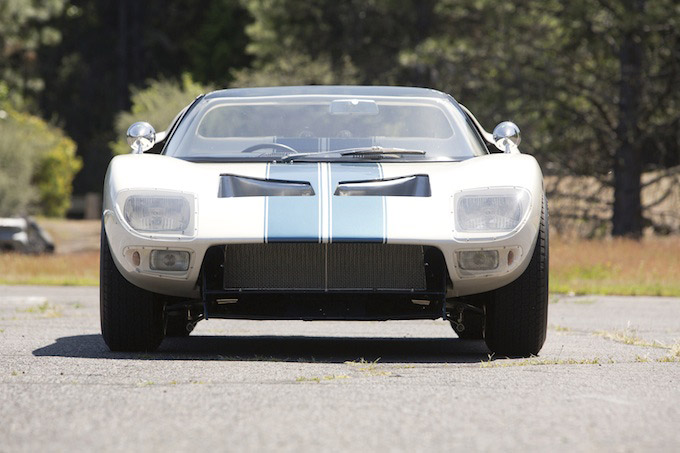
[593, 84]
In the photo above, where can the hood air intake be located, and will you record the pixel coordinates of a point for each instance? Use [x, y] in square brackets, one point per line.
[407, 186]
[240, 186]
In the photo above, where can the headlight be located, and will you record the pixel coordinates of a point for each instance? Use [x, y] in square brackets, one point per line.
[495, 210]
[157, 213]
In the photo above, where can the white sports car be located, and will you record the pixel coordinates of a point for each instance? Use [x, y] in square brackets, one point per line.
[319, 203]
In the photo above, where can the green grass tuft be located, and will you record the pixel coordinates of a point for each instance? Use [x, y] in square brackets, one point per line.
[45, 309]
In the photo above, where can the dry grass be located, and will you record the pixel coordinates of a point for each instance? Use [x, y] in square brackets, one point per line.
[616, 266]
[45, 309]
[319, 379]
[73, 236]
[60, 269]
[535, 361]
[673, 356]
[368, 368]
[629, 336]
[76, 261]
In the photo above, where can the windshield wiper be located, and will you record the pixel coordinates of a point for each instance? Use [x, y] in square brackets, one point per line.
[379, 151]
[292, 156]
[371, 151]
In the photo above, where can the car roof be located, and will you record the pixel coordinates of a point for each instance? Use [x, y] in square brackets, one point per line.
[350, 90]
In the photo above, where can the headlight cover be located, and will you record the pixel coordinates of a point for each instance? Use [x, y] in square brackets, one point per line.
[162, 214]
[492, 210]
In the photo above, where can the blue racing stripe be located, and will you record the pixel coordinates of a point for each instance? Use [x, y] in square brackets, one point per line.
[356, 218]
[295, 219]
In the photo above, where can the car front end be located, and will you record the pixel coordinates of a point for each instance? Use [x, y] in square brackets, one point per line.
[481, 220]
[367, 205]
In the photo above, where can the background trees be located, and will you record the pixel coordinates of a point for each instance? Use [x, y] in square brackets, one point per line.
[37, 166]
[590, 82]
[37, 161]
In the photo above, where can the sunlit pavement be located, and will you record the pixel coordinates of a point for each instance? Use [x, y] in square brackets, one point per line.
[608, 379]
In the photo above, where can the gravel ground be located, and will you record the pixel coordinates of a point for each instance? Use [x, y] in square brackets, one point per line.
[308, 386]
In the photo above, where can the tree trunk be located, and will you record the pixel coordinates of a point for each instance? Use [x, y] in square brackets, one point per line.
[121, 53]
[627, 218]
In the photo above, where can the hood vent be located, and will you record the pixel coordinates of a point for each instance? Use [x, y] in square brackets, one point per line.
[406, 186]
[240, 186]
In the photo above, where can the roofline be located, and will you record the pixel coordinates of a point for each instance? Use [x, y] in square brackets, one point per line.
[350, 90]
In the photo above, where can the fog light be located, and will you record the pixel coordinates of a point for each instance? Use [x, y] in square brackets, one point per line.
[169, 260]
[478, 260]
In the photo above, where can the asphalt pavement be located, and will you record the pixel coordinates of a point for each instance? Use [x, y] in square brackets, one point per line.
[608, 379]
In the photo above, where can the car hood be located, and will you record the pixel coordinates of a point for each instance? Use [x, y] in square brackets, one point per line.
[366, 201]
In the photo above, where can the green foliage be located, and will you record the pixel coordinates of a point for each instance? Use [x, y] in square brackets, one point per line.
[217, 46]
[352, 41]
[16, 168]
[54, 177]
[157, 104]
[296, 69]
[23, 31]
[37, 166]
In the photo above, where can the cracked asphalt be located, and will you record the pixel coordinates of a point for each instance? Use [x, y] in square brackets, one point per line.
[608, 379]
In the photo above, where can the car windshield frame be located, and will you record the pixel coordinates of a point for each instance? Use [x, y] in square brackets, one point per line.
[463, 142]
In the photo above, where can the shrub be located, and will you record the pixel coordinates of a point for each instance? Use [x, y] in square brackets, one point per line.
[54, 177]
[37, 166]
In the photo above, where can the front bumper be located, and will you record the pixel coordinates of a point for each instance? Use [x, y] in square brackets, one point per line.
[131, 252]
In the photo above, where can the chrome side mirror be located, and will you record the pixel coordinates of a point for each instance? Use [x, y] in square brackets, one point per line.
[141, 137]
[506, 136]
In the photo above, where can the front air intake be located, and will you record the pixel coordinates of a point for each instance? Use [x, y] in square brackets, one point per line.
[327, 267]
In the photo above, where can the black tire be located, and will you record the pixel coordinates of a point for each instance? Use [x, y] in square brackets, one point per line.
[131, 318]
[517, 314]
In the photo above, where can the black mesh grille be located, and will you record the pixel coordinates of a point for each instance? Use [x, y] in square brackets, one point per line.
[337, 266]
[282, 266]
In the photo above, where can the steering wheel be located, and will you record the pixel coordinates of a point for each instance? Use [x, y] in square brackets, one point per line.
[274, 146]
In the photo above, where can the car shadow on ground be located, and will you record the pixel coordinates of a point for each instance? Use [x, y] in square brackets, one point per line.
[282, 349]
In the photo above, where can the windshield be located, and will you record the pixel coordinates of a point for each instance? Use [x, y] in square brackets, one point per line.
[330, 127]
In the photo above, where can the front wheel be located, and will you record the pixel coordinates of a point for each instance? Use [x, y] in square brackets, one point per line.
[131, 318]
[517, 314]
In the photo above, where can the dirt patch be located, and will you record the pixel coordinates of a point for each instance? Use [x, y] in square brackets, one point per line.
[73, 236]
